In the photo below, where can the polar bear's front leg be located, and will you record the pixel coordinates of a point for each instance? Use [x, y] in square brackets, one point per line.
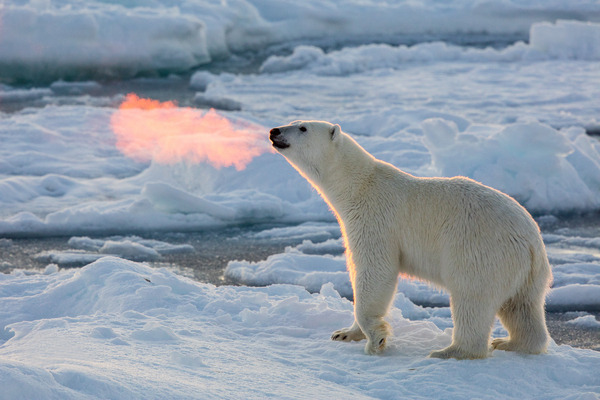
[373, 294]
[378, 332]
[354, 333]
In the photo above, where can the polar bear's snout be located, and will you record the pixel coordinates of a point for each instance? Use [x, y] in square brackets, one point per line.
[277, 139]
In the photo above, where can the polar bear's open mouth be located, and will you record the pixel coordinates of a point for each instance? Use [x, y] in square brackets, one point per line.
[279, 144]
[277, 140]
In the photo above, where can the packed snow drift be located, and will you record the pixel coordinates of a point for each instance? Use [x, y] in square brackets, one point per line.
[116, 329]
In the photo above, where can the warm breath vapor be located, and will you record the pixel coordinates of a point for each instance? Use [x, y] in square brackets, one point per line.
[149, 130]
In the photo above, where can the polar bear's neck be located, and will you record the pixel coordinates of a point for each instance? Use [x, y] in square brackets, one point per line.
[342, 180]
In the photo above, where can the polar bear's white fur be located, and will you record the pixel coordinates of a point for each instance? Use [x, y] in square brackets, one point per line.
[476, 242]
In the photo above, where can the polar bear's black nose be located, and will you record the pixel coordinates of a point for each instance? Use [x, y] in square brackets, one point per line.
[275, 132]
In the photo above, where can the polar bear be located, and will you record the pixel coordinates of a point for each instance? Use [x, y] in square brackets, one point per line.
[470, 239]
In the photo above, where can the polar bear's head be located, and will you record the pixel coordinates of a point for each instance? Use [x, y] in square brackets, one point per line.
[306, 144]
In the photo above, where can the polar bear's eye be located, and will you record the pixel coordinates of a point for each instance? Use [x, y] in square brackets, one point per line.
[302, 129]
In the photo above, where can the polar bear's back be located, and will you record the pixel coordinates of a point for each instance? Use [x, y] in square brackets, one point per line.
[459, 223]
[446, 200]
[462, 201]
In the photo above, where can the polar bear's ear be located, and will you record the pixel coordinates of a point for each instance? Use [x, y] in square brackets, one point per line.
[335, 131]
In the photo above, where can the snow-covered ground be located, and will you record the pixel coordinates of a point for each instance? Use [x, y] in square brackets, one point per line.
[416, 85]
[318, 260]
[116, 329]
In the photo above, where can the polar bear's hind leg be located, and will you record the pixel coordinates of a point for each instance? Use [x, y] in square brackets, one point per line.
[523, 315]
[526, 326]
[472, 328]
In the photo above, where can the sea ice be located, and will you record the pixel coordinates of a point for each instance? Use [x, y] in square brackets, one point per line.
[311, 264]
[123, 330]
[585, 321]
[531, 162]
[515, 115]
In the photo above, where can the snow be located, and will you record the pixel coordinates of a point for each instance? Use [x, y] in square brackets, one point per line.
[585, 321]
[63, 181]
[21, 95]
[538, 165]
[567, 39]
[316, 262]
[308, 270]
[113, 39]
[166, 197]
[309, 230]
[117, 329]
[123, 40]
[85, 250]
[503, 92]
[563, 40]
[574, 297]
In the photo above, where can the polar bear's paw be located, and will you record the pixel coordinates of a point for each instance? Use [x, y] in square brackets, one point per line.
[348, 334]
[503, 344]
[377, 338]
[506, 344]
[454, 351]
[375, 346]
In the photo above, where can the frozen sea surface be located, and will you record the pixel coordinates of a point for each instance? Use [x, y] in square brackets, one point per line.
[110, 39]
[499, 116]
[124, 240]
[316, 259]
[119, 329]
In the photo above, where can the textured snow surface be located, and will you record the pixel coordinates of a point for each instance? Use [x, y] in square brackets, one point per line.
[69, 39]
[117, 329]
[504, 92]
